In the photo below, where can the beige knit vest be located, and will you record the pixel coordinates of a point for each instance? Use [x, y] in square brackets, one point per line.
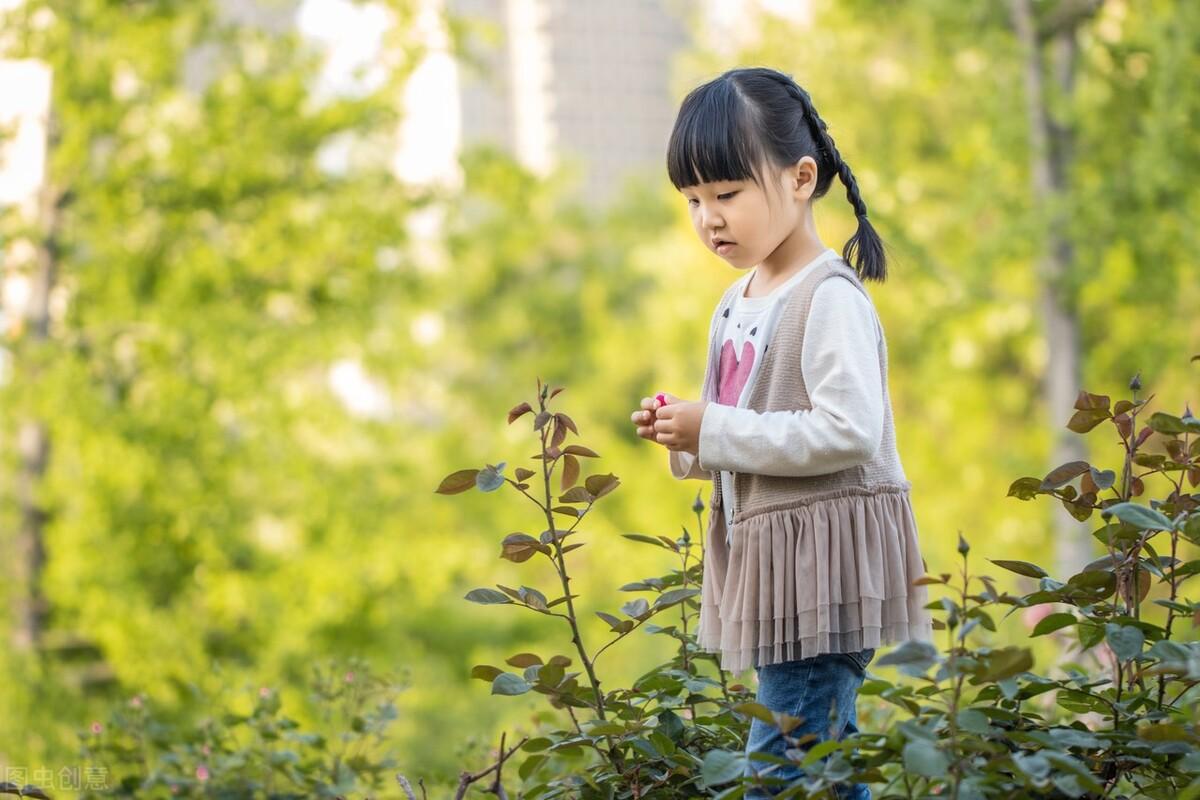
[781, 388]
[815, 564]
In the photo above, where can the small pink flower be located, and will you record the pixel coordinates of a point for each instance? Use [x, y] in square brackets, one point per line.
[136, 701]
[174, 789]
[264, 692]
[97, 727]
[202, 773]
[206, 750]
[350, 677]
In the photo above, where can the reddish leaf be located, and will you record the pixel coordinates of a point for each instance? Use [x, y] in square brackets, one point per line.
[600, 485]
[1084, 421]
[485, 672]
[518, 411]
[570, 471]
[560, 432]
[577, 494]
[1064, 474]
[1091, 401]
[457, 482]
[523, 660]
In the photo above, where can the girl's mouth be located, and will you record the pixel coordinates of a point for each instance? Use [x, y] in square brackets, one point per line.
[724, 247]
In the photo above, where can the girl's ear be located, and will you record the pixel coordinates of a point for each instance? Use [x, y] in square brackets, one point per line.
[804, 177]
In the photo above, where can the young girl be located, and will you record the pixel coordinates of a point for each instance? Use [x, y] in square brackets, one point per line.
[811, 548]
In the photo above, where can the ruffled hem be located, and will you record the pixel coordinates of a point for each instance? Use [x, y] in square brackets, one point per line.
[833, 575]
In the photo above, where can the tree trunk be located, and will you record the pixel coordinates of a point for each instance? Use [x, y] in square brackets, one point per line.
[1051, 153]
[33, 438]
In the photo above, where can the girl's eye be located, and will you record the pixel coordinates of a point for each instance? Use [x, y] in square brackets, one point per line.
[726, 195]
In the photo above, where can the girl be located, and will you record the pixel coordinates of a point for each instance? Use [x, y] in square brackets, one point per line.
[812, 547]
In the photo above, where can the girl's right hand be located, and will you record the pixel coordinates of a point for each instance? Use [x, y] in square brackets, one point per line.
[644, 419]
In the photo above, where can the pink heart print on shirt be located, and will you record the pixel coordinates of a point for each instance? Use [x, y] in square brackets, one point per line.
[733, 372]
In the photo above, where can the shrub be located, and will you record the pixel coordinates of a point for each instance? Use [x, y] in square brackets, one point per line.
[973, 722]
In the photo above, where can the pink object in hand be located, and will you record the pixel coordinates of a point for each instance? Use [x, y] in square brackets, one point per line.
[661, 398]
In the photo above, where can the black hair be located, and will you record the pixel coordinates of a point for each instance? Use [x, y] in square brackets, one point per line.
[750, 116]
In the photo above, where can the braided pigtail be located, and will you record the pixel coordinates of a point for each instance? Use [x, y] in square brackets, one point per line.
[864, 249]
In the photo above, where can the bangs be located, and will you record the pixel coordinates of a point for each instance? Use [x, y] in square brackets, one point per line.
[713, 139]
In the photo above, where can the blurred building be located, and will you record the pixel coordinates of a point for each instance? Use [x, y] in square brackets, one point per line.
[573, 80]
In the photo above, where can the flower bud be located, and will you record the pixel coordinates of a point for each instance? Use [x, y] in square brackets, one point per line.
[1135, 383]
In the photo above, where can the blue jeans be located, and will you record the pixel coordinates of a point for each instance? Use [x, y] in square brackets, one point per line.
[806, 688]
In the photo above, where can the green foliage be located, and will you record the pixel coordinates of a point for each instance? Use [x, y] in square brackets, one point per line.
[261, 752]
[967, 724]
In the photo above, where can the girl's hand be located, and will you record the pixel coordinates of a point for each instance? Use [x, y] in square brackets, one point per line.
[644, 419]
[677, 424]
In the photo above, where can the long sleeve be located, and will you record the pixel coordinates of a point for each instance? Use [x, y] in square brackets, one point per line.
[685, 465]
[842, 374]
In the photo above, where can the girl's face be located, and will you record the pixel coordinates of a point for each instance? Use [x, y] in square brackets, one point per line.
[739, 212]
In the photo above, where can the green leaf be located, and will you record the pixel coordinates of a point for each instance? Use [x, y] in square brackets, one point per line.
[1025, 488]
[507, 683]
[1004, 663]
[487, 596]
[613, 622]
[636, 608]
[490, 478]
[1103, 479]
[485, 672]
[974, 721]
[922, 757]
[1034, 765]
[530, 765]
[721, 766]
[674, 596]
[1021, 568]
[910, 655]
[1090, 634]
[1125, 640]
[1165, 423]
[1141, 517]
[532, 598]
[641, 537]
[1053, 622]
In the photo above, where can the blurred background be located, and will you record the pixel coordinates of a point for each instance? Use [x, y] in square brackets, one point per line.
[271, 270]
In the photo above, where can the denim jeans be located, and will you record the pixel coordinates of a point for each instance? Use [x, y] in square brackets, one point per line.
[806, 688]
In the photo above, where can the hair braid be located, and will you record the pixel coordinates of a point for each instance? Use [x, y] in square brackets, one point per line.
[864, 238]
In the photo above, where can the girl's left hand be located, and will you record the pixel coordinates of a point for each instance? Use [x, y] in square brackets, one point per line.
[677, 424]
